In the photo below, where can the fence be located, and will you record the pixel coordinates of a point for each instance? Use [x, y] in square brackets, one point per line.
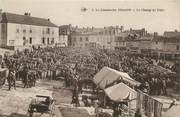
[148, 105]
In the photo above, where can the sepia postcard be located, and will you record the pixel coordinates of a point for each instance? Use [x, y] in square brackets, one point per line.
[89, 58]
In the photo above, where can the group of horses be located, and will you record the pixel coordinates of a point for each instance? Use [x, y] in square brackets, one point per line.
[28, 77]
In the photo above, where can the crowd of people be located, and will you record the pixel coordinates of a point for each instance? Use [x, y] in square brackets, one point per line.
[75, 63]
[154, 75]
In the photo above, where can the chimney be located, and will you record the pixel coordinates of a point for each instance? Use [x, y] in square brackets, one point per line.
[48, 19]
[122, 28]
[155, 34]
[26, 14]
[143, 29]
[92, 28]
[176, 30]
[69, 25]
[146, 32]
[117, 27]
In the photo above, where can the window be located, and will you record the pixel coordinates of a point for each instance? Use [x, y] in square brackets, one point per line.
[3, 28]
[47, 40]
[24, 31]
[43, 40]
[108, 39]
[24, 41]
[17, 30]
[86, 44]
[111, 39]
[108, 42]
[11, 42]
[177, 47]
[30, 40]
[114, 32]
[74, 38]
[123, 43]
[80, 38]
[52, 32]
[48, 31]
[30, 31]
[52, 41]
[110, 32]
[87, 39]
[156, 42]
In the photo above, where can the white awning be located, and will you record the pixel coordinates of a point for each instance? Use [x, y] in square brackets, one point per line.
[107, 76]
[120, 92]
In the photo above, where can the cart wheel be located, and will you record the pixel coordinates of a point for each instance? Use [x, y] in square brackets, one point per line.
[30, 111]
[52, 111]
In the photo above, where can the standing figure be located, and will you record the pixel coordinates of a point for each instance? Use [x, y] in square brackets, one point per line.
[25, 77]
[11, 79]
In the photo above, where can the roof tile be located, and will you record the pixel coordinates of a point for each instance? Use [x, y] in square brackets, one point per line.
[24, 19]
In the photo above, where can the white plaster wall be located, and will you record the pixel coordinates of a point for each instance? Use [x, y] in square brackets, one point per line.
[63, 39]
[36, 35]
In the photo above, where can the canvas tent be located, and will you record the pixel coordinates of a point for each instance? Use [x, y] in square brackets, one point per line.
[107, 76]
[120, 92]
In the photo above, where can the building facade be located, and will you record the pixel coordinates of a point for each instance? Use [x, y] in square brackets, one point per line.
[166, 47]
[64, 35]
[95, 37]
[169, 34]
[138, 41]
[25, 31]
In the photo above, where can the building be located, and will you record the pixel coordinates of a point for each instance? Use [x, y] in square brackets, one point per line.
[138, 41]
[24, 31]
[112, 37]
[120, 41]
[134, 40]
[174, 33]
[95, 37]
[64, 34]
[167, 48]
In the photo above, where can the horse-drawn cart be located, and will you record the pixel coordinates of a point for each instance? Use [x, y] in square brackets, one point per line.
[43, 105]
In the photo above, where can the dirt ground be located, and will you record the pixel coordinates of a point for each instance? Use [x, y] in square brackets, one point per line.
[15, 103]
[62, 96]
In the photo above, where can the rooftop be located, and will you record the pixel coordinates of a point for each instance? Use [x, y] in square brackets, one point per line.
[167, 39]
[25, 19]
[172, 33]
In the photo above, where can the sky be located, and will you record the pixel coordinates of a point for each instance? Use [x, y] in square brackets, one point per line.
[62, 12]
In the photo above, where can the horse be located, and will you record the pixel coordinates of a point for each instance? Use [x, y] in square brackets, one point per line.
[20, 73]
[27, 76]
[32, 76]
